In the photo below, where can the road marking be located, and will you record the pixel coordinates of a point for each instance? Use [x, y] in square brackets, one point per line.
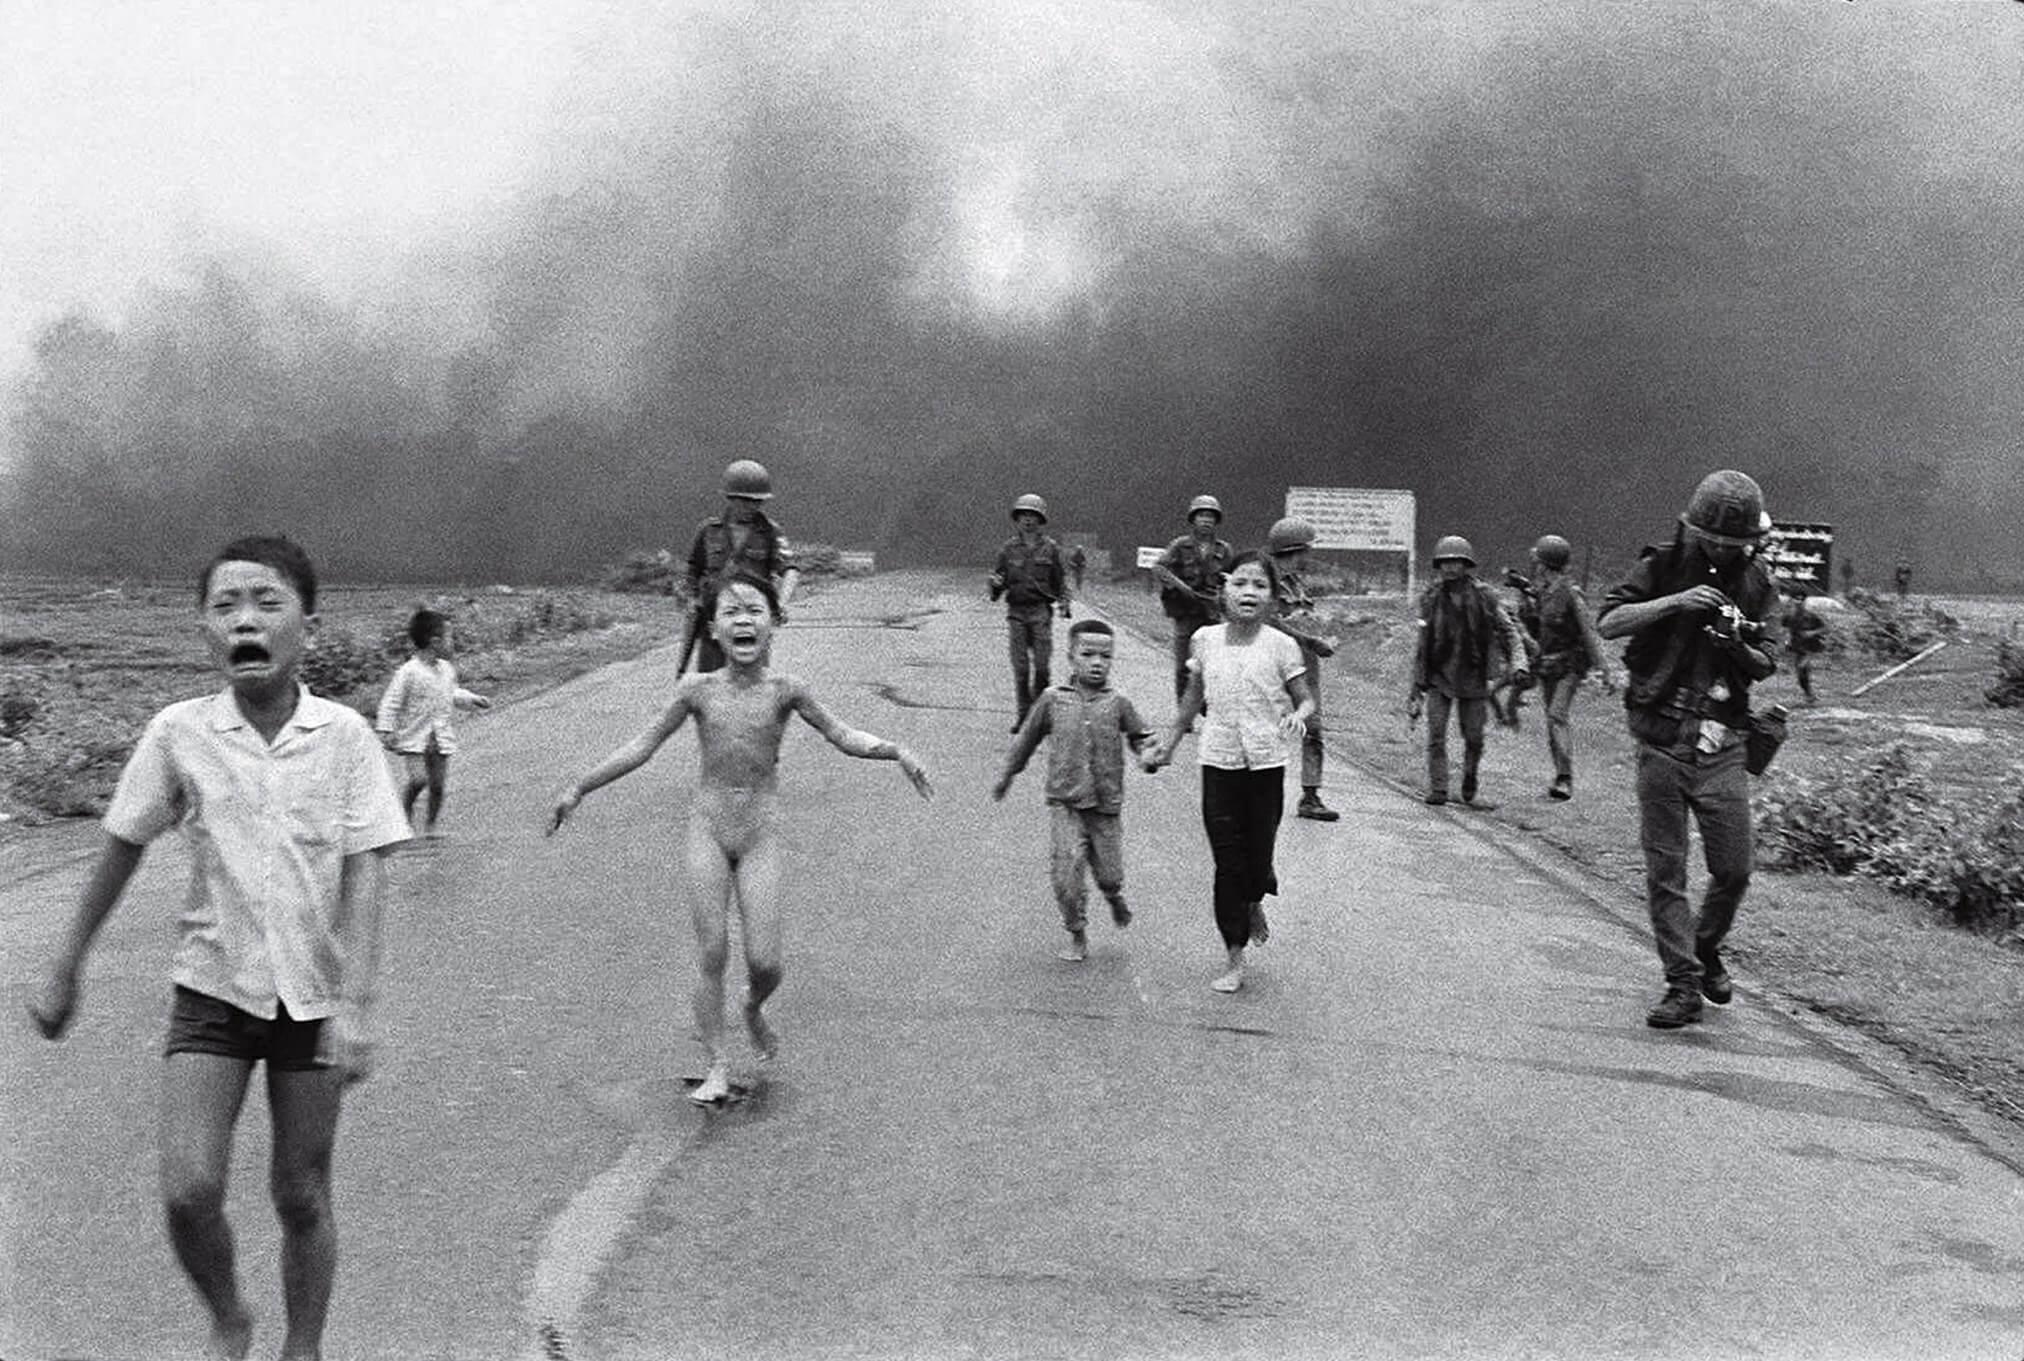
[580, 1241]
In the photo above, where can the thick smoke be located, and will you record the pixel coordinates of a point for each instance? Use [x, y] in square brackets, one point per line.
[1545, 275]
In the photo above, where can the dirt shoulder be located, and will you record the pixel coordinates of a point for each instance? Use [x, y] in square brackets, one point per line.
[1942, 1007]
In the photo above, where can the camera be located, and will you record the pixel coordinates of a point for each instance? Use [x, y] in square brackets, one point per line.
[1730, 626]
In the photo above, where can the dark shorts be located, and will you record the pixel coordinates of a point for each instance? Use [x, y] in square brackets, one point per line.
[204, 1025]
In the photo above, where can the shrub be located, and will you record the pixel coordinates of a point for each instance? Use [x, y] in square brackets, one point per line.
[644, 573]
[818, 559]
[2008, 690]
[68, 769]
[1891, 630]
[340, 661]
[1882, 820]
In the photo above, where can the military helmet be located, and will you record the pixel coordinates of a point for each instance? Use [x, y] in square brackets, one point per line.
[1552, 550]
[1208, 503]
[748, 478]
[1454, 546]
[1289, 535]
[1033, 503]
[1727, 508]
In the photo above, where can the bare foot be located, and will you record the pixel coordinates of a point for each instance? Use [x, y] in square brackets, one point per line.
[764, 1040]
[1076, 950]
[231, 1338]
[715, 1087]
[1229, 981]
[1120, 914]
[1260, 930]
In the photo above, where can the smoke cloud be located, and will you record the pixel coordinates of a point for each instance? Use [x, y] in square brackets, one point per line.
[1544, 268]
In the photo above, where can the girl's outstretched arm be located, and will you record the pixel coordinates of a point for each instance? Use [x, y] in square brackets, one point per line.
[627, 758]
[855, 742]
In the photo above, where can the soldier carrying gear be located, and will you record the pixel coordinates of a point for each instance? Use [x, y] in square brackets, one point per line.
[1466, 637]
[1693, 611]
[1288, 541]
[743, 541]
[1190, 571]
[1565, 648]
[1029, 575]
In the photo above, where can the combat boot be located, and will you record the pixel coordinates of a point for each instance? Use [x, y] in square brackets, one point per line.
[1679, 1007]
[1313, 808]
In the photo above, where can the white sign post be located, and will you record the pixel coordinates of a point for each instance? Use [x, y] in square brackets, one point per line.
[1360, 518]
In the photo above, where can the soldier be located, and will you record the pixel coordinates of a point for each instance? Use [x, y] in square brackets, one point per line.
[1191, 572]
[1694, 611]
[1463, 625]
[1029, 575]
[1568, 646]
[1288, 541]
[1805, 637]
[741, 541]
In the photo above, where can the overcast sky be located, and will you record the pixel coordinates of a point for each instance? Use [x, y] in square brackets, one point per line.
[1052, 157]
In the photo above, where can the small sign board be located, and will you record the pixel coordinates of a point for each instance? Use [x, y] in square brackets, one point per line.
[1358, 518]
[857, 562]
[1800, 553]
[1150, 557]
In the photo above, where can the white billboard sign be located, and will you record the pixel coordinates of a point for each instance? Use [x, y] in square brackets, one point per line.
[1150, 557]
[1356, 517]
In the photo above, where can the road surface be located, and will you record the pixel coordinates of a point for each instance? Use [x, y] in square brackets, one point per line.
[1433, 1125]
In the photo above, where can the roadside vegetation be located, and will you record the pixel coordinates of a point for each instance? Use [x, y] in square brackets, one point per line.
[84, 665]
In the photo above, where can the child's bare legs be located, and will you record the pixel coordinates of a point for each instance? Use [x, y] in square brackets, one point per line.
[201, 1098]
[758, 878]
[710, 878]
[305, 1106]
[418, 780]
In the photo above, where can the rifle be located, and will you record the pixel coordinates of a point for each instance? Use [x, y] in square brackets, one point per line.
[694, 630]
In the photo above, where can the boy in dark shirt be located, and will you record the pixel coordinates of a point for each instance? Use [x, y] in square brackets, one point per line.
[1089, 724]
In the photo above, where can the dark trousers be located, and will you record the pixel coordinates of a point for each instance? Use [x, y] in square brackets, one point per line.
[1472, 714]
[1184, 636]
[1029, 636]
[1556, 697]
[1714, 790]
[1240, 812]
[1312, 748]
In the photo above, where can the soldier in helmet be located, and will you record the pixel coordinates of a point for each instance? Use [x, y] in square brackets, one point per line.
[743, 541]
[1029, 576]
[1569, 647]
[1694, 610]
[1190, 573]
[1466, 638]
[1288, 541]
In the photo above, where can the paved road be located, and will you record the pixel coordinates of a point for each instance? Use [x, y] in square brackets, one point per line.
[1435, 1125]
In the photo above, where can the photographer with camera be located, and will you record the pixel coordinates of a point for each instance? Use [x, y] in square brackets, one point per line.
[1695, 611]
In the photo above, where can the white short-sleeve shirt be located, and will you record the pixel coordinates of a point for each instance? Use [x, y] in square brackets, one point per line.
[269, 827]
[1244, 685]
[420, 703]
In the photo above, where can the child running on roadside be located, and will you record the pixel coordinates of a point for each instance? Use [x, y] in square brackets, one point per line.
[741, 715]
[1087, 725]
[416, 711]
[1253, 681]
[288, 808]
